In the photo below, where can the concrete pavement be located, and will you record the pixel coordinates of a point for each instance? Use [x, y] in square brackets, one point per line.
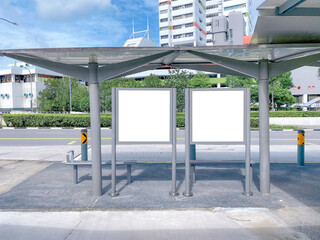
[220, 224]
[47, 205]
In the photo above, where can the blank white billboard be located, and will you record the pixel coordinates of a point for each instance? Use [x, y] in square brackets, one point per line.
[144, 116]
[217, 116]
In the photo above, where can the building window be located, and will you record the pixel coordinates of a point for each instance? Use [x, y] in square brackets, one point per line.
[165, 45]
[188, 15]
[163, 11]
[164, 20]
[20, 78]
[5, 78]
[189, 34]
[27, 78]
[177, 27]
[212, 15]
[163, 28]
[164, 37]
[163, 3]
[189, 25]
[235, 7]
[177, 17]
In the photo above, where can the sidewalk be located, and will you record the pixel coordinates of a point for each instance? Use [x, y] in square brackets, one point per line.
[47, 205]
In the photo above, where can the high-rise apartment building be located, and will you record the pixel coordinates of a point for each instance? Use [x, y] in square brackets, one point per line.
[182, 22]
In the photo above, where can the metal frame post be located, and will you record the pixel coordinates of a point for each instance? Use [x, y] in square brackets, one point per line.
[114, 192]
[248, 166]
[264, 144]
[187, 192]
[173, 191]
[95, 126]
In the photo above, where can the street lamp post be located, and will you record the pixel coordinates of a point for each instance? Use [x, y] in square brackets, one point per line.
[31, 94]
[6, 20]
[70, 94]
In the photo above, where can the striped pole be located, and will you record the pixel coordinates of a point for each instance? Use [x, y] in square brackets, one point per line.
[300, 147]
[84, 145]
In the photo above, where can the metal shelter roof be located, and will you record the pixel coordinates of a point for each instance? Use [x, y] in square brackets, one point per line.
[116, 62]
[288, 21]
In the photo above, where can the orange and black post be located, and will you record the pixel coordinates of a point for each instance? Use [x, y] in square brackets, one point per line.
[301, 147]
[84, 145]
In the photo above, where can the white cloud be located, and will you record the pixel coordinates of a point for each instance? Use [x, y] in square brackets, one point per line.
[68, 9]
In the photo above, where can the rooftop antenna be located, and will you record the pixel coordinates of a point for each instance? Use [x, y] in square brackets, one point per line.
[133, 28]
[148, 28]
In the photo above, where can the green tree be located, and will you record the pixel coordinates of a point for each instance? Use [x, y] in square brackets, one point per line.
[152, 81]
[199, 80]
[56, 95]
[244, 82]
[280, 86]
[178, 79]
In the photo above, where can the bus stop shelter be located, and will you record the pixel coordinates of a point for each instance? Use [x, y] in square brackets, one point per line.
[275, 49]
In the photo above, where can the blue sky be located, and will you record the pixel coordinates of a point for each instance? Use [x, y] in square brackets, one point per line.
[74, 23]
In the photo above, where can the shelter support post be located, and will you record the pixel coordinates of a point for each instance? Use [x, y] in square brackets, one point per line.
[187, 192]
[248, 170]
[114, 192]
[95, 126]
[264, 144]
[173, 191]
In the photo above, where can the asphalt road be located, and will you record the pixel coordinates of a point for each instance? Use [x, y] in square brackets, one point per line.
[55, 137]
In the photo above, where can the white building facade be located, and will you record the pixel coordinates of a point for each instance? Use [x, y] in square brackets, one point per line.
[20, 84]
[182, 23]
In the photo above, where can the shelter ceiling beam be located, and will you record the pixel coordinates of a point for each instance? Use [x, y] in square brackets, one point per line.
[67, 69]
[141, 69]
[169, 59]
[114, 70]
[288, 6]
[209, 68]
[246, 68]
[276, 69]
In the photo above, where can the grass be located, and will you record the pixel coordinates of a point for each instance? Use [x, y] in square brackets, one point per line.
[281, 127]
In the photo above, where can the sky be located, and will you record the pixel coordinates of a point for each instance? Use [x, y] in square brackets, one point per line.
[74, 23]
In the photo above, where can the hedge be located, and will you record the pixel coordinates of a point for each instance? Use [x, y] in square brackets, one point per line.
[83, 120]
[53, 120]
[289, 114]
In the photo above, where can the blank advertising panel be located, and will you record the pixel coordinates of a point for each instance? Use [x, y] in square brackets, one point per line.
[217, 116]
[144, 116]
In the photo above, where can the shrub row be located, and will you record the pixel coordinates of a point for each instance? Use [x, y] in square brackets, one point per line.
[83, 120]
[289, 114]
[53, 120]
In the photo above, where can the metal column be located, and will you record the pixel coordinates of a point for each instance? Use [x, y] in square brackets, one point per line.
[187, 192]
[248, 170]
[264, 144]
[95, 125]
[114, 192]
[173, 191]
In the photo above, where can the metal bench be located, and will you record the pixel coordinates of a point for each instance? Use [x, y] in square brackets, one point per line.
[193, 164]
[75, 164]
